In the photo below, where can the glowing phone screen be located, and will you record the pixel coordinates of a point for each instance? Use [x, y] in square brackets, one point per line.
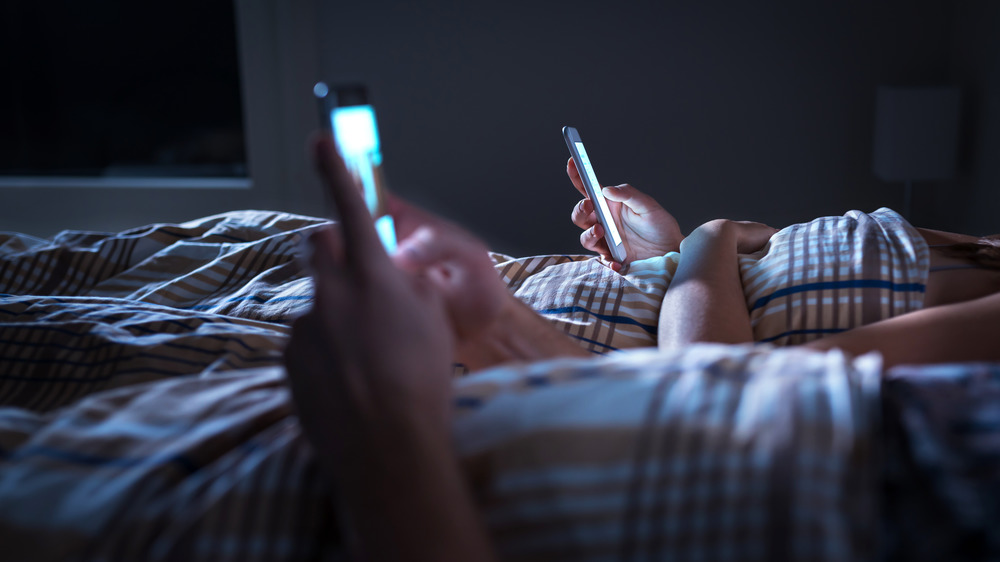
[601, 201]
[356, 133]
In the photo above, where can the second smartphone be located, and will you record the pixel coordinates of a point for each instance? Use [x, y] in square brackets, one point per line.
[345, 111]
[611, 233]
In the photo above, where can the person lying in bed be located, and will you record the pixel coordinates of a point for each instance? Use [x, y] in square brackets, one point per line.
[369, 366]
[960, 269]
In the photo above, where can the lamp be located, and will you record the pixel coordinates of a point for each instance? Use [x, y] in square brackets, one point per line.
[916, 135]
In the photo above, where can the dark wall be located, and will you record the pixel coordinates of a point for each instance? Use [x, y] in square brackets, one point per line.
[972, 203]
[747, 110]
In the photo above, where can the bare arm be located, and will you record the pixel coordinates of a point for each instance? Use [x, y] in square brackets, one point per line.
[705, 302]
[369, 367]
[965, 331]
[518, 334]
[406, 497]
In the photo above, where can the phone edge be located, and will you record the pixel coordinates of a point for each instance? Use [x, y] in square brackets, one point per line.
[618, 251]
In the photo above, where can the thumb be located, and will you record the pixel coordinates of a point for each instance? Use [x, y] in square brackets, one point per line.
[419, 249]
[630, 197]
[427, 247]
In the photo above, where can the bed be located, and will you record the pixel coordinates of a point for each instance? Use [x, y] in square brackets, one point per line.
[144, 415]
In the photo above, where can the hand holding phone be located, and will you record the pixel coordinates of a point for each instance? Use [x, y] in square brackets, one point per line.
[345, 111]
[616, 244]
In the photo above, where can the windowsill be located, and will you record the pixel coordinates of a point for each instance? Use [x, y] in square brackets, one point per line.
[119, 182]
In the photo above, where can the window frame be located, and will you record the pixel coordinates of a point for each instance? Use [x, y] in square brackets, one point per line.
[279, 62]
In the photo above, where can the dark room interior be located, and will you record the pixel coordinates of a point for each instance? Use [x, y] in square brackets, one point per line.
[792, 356]
[761, 111]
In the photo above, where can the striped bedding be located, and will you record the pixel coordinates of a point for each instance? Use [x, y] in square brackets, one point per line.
[600, 309]
[833, 274]
[707, 453]
[86, 312]
[812, 279]
[143, 413]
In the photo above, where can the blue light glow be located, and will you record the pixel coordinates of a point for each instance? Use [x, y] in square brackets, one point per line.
[356, 133]
[386, 229]
[356, 130]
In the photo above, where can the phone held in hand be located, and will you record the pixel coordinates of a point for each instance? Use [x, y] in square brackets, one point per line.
[611, 233]
[345, 112]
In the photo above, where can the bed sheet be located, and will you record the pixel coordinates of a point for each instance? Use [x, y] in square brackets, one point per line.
[86, 312]
[634, 456]
[133, 424]
[143, 412]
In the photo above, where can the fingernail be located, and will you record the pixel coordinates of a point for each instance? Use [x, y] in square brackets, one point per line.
[412, 250]
[415, 246]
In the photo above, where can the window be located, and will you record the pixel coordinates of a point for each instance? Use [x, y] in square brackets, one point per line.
[120, 89]
[211, 116]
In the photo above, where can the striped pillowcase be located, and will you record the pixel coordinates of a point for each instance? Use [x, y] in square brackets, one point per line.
[833, 274]
[813, 279]
[602, 310]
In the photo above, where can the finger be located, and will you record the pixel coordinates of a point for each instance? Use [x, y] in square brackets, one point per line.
[326, 267]
[315, 382]
[417, 250]
[574, 176]
[305, 248]
[593, 240]
[301, 350]
[331, 240]
[442, 240]
[409, 218]
[360, 240]
[428, 246]
[631, 198]
[296, 367]
[583, 214]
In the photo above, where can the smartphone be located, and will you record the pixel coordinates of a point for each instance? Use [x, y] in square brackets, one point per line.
[345, 112]
[611, 233]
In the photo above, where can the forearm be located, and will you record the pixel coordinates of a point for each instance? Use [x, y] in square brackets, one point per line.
[406, 499]
[705, 300]
[519, 334]
[964, 331]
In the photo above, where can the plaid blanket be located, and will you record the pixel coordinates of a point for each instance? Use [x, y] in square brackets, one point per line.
[713, 453]
[188, 468]
[833, 274]
[86, 312]
[239, 264]
[135, 422]
[708, 453]
[812, 279]
[942, 475]
[143, 413]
